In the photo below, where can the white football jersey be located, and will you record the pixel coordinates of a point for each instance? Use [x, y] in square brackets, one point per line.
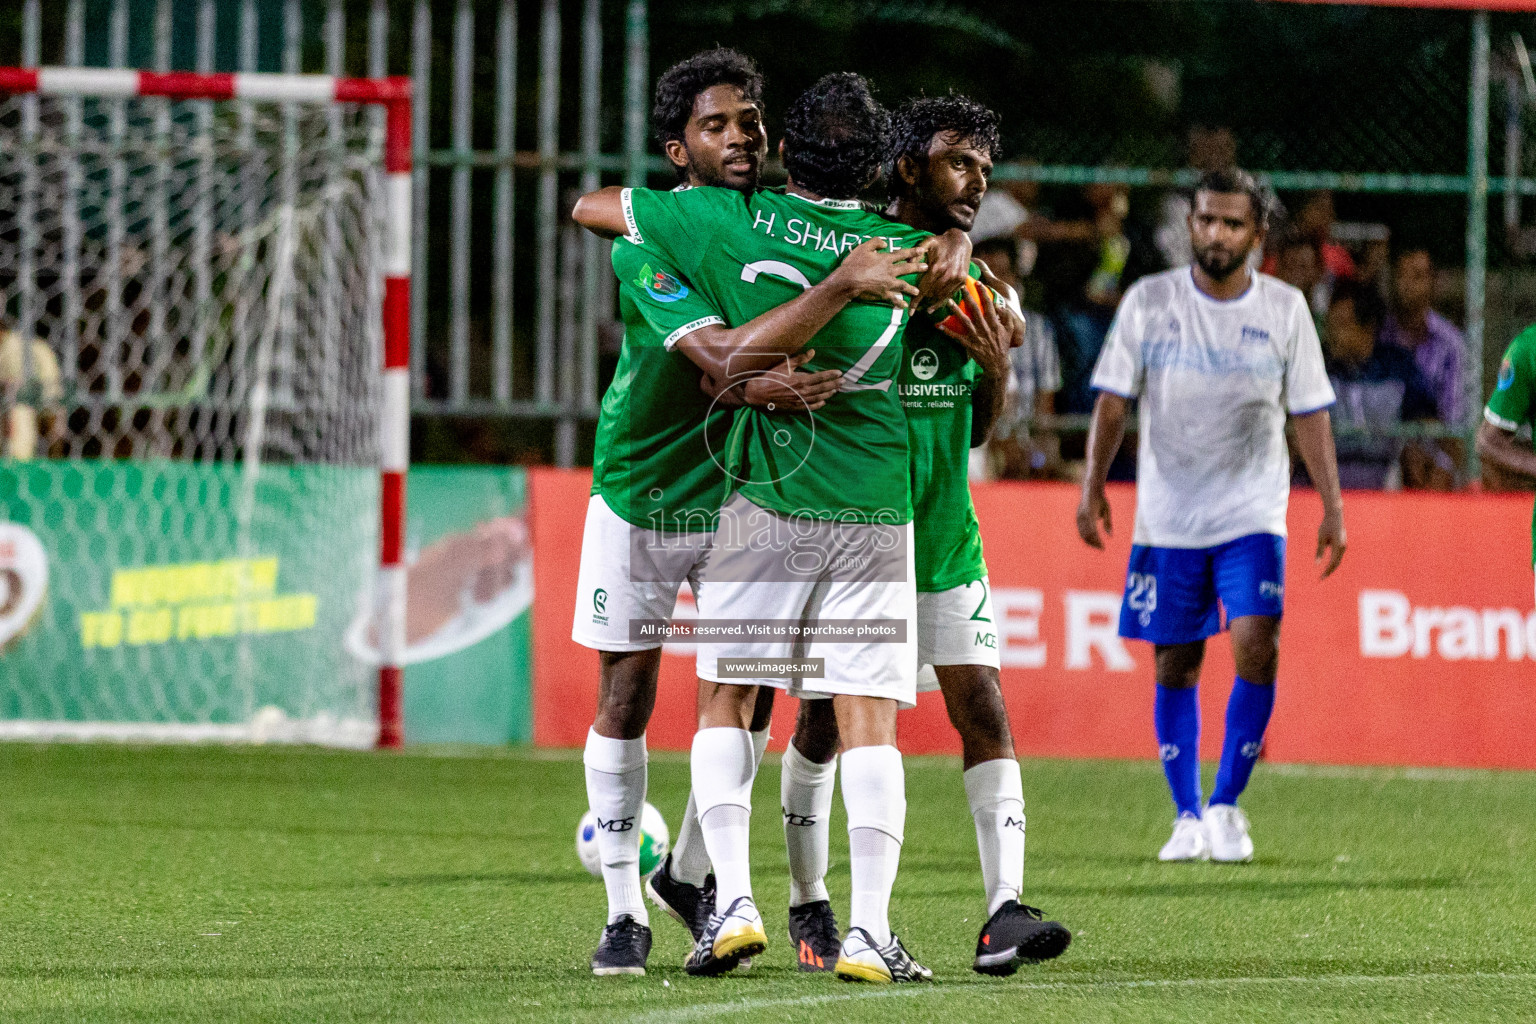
[1215, 382]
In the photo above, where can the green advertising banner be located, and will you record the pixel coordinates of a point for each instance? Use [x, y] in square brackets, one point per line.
[467, 674]
[162, 600]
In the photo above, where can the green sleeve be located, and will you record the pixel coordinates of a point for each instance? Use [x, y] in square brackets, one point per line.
[669, 305]
[677, 225]
[1510, 405]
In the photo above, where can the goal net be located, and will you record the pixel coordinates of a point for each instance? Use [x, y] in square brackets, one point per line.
[192, 297]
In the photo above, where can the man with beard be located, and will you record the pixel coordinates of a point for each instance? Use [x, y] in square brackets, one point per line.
[656, 488]
[1218, 356]
[936, 166]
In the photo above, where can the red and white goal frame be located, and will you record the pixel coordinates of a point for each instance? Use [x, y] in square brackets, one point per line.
[394, 96]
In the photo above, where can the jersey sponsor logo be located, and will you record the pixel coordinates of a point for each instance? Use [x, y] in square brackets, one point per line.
[1506, 375]
[925, 364]
[1141, 595]
[933, 390]
[600, 600]
[799, 820]
[616, 824]
[660, 285]
[985, 640]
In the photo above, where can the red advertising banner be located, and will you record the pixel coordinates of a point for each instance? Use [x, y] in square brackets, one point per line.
[1420, 650]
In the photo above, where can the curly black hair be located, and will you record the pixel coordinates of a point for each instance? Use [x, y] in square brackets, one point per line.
[681, 84]
[917, 121]
[834, 136]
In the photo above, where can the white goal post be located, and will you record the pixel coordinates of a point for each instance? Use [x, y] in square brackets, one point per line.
[204, 351]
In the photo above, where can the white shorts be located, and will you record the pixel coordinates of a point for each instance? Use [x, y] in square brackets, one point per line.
[884, 606]
[955, 627]
[630, 577]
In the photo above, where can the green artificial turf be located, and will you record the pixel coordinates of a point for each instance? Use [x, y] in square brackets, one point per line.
[145, 884]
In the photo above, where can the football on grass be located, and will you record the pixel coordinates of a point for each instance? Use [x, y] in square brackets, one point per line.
[655, 841]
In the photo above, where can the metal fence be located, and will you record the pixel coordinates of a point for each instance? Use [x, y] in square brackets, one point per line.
[523, 104]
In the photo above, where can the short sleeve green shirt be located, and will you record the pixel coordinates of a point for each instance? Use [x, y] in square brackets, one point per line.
[748, 254]
[937, 378]
[1513, 402]
[653, 465]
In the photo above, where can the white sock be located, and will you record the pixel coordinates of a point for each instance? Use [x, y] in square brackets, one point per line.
[759, 746]
[995, 791]
[805, 795]
[875, 797]
[690, 857]
[616, 780]
[722, 767]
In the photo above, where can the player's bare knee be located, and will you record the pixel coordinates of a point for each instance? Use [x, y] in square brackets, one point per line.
[626, 693]
[1178, 665]
[816, 734]
[1256, 648]
[726, 705]
[973, 698]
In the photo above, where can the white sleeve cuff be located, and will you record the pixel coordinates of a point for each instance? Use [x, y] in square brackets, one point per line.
[687, 329]
[627, 203]
[1123, 388]
[1308, 408]
[1499, 421]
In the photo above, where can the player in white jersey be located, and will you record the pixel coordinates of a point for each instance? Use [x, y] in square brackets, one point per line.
[1218, 356]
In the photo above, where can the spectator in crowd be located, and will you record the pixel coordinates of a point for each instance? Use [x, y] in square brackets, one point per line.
[1018, 451]
[1378, 386]
[1438, 347]
[30, 394]
[1083, 280]
[1298, 263]
[1439, 351]
[1013, 208]
[1314, 220]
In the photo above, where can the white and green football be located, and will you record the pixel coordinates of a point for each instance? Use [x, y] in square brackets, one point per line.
[655, 841]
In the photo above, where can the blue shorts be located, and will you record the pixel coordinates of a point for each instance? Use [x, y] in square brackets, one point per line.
[1177, 595]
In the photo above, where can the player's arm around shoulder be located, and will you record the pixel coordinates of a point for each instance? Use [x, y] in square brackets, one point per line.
[1512, 403]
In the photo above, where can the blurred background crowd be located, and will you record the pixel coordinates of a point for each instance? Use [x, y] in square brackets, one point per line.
[1393, 354]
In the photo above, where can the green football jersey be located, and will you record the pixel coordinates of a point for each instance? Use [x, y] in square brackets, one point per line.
[937, 378]
[1513, 402]
[748, 254]
[653, 465]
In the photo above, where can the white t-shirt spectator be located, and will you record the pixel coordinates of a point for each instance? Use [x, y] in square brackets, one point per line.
[1215, 382]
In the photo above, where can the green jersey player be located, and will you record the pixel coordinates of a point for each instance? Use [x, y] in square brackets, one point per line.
[1512, 406]
[818, 533]
[655, 487]
[952, 388]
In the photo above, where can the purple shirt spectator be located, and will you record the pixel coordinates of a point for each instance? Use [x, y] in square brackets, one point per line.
[1440, 354]
[1438, 348]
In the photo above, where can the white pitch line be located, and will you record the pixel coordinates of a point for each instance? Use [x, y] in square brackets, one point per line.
[704, 1011]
